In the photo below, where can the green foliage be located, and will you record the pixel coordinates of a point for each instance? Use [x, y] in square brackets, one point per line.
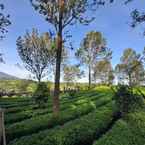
[16, 117]
[88, 51]
[79, 131]
[36, 52]
[72, 94]
[4, 22]
[93, 47]
[19, 87]
[73, 11]
[126, 100]
[18, 109]
[41, 94]
[131, 68]
[130, 131]
[103, 72]
[16, 114]
[74, 125]
[37, 123]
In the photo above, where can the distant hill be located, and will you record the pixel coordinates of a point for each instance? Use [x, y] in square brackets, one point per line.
[5, 76]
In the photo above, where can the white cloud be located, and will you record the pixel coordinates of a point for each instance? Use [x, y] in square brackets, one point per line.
[14, 70]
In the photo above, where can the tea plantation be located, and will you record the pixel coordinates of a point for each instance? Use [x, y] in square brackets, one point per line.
[87, 118]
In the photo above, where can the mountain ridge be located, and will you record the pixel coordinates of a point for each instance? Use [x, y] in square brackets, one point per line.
[5, 76]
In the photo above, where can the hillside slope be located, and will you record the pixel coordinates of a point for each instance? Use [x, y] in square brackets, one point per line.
[5, 76]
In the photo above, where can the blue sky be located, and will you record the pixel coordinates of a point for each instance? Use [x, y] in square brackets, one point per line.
[112, 20]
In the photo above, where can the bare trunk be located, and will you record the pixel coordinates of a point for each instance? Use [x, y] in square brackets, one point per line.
[58, 64]
[57, 76]
[2, 129]
[89, 76]
[130, 80]
[39, 80]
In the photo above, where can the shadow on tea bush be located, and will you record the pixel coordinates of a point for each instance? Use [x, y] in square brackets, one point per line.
[41, 94]
[126, 100]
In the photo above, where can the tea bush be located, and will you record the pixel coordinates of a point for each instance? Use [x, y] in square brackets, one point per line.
[47, 121]
[126, 100]
[76, 132]
[130, 131]
[41, 94]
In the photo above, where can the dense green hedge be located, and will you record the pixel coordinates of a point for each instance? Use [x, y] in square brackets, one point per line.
[16, 117]
[47, 121]
[10, 100]
[130, 131]
[17, 109]
[26, 114]
[8, 106]
[76, 132]
[20, 108]
[64, 99]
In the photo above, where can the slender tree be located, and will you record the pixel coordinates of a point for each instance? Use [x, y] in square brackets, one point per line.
[60, 14]
[93, 48]
[131, 67]
[103, 72]
[37, 52]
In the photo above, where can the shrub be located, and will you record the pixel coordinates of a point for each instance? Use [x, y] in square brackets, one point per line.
[17, 115]
[72, 94]
[41, 94]
[126, 100]
[118, 135]
[36, 124]
[18, 109]
[76, 132]
[130, 131]
[20, 113]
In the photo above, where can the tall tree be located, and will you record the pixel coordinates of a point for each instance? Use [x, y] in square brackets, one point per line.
[62, 13]
[93, 48]
[131, 67]
[103, 72]
[36, 52]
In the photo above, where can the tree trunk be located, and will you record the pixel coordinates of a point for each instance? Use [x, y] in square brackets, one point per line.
[2, 128]
[89, 76]
[58, 64]
[130, 80]
[1, 131]
[39, 80]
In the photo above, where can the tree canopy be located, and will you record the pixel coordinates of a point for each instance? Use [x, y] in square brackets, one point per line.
[73, 11]
[131, 67]
[103, 72]
[93, 48]
[37, 52]
[4, 23]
